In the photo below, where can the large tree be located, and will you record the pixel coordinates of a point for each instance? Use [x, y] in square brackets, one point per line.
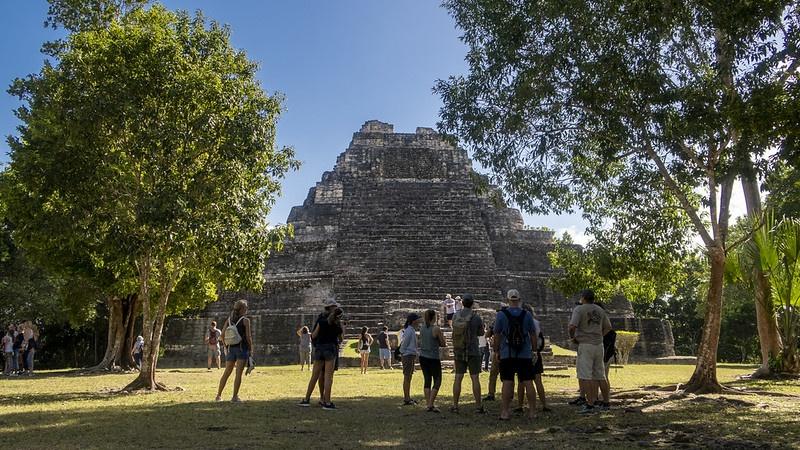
[575, 102]
[148, 145]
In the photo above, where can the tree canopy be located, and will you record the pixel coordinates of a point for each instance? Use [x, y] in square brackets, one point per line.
[147, 149]
[620, 106]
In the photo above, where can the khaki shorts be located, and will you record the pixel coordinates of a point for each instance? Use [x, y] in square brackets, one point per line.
[213, 351]
[590, 365]
[408, 364]
[470, 363]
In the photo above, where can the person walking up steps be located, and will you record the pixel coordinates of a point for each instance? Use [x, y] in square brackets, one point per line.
[513, 339]
[385, 349]
[364, 344]
[409, 352]
[212, 340]
[239, 340]
[305, 347]
[431, 339]
[587, 326]
[467, 327]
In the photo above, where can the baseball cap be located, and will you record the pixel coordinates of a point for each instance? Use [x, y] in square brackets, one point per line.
[513, 294]
[331, 302]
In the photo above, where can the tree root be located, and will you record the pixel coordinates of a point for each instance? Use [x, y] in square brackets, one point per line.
[144, 385]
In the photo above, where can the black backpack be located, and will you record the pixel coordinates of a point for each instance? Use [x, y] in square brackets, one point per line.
[516, 336]
[609, 346]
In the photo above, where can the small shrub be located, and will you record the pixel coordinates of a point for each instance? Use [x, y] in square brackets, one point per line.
[626, 340]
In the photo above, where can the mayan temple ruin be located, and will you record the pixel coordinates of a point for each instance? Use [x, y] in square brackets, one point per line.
[397, 224]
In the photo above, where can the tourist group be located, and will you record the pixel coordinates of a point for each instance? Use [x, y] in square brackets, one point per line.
[513, 344]
[19, 347]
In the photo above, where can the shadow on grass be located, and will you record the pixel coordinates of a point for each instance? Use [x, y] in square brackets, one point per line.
[383, 422]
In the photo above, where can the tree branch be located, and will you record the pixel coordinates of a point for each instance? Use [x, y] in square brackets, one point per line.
[687, 206]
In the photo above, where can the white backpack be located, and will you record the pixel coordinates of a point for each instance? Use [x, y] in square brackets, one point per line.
[232, 336]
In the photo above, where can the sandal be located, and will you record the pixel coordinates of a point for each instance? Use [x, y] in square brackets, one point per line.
[433, 409]
[409, 402]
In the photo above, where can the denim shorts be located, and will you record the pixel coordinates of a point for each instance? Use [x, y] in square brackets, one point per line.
[386, 353]
[236, 353]
[325, 352]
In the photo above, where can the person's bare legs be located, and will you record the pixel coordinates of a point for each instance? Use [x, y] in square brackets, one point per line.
[237, 382]
[326, 396]
[316, 370]
[605, 389]
[476, 390]
[537, 380]
[493, 374]
[229, 365]
[590, 389]
[508, 394]
[521, 396]
[219, 360]
[407, 387]
[531, 398]
[457, 389]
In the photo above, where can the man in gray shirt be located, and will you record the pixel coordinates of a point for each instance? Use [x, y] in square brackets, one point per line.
[467, 326]
[588, 325]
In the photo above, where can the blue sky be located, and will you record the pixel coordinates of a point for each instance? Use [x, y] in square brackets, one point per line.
[338, 63]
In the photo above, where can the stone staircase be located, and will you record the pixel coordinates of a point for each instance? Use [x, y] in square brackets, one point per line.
[407, 245]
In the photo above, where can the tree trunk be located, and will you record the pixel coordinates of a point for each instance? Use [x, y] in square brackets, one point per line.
[121, 320]
[704, 379]
[768, 336]
[152, 325]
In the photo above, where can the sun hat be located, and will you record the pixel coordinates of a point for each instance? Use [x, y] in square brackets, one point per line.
[513, 294]
[412, 317]
[331, 302]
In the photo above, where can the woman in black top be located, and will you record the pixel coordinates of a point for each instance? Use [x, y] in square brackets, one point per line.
[238, 352]
[364, 344]
[326, 335]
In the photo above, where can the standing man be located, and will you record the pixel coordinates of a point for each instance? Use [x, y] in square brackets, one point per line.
[448, 309]
[513, 340]
[385, 349]
[212, 340]
[588, 325]
[483, 345]
[467, 327]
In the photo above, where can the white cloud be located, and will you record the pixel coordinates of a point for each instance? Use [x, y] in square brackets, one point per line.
[578, 235]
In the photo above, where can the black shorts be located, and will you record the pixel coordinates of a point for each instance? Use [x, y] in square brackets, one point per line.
[538, 366]
[522, 368]
[450, 316]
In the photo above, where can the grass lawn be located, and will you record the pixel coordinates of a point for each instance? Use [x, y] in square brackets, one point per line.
[57, 410]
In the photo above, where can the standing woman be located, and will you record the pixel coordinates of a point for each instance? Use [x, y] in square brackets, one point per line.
[305, 347]
[408, 351]
[431, 338]
[31, 335]
[327, 333]
[237, 337]
[364, 343]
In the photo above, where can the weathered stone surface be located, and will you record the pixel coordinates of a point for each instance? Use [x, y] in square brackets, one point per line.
[394, 227]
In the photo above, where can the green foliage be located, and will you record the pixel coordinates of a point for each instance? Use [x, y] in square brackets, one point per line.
[626, 340]
[146, 160]
[76, 15]
[610, 272]
[777, 250]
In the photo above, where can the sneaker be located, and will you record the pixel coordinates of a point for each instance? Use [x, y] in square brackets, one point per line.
[433, 409]
[580, 401]
[603, 406]
[489, 398]
[236, 400]
[587, 409]
[329, 407]
[454, 409]
[218, 399]
[409, 402]
[304, 403]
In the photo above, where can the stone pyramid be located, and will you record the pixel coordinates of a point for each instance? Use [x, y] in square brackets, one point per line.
[401, 221]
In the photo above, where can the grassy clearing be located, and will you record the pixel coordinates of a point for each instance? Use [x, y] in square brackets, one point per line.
[66, 410]
[561, 351]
